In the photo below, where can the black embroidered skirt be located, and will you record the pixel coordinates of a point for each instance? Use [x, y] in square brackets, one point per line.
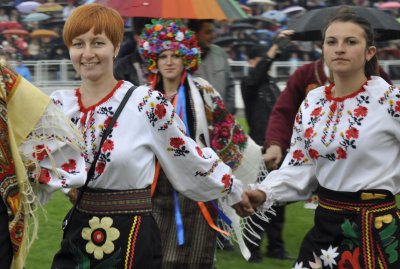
[111, 229]
[357, 230]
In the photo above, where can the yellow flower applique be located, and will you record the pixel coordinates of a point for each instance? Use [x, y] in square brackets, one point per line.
[100, 236]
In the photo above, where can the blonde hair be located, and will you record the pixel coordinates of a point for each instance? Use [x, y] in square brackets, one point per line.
[96, 16]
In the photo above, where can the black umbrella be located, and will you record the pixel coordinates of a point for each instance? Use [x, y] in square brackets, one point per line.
[225, 40]
[244, 43]
[242, 26]
[308, 26]
[258, 19]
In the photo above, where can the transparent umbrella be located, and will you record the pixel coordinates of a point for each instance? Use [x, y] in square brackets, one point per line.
[36, 17]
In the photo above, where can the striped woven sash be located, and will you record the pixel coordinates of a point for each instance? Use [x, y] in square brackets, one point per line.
[115, 202]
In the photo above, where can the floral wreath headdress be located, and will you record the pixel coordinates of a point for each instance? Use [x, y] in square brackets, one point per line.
[162, 35]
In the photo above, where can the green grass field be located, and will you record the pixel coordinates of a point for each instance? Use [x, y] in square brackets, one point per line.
[298, 221]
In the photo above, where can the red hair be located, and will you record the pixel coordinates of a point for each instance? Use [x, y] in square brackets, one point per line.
[96, 16]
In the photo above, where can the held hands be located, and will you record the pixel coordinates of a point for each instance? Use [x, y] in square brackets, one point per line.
[250, 200]
[273, 157]
[256, 197]
[244, 207]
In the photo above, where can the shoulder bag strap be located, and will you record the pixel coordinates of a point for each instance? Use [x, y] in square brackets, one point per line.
[96, 157]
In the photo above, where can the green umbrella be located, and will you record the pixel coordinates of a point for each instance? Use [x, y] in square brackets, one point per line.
[232, 9]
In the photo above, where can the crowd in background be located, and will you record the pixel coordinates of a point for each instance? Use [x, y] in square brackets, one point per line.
[236, 36]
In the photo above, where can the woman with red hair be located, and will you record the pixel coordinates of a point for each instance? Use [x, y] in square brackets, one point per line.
[113, 225]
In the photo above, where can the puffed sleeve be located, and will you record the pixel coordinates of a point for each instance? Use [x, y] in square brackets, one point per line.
[53, 154]
[295, 180]
[197, 173]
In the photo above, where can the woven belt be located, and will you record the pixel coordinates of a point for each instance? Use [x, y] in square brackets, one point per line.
[115, 202]
[372, 252]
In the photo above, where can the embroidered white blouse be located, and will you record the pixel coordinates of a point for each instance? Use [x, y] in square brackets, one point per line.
[53, 154]
[343, 144]
[146, 129]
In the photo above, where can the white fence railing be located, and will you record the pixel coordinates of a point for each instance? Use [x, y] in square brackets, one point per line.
[50, 75]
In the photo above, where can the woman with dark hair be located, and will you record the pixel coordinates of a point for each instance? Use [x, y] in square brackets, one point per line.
[113, 225]
[345, 144]
[172, 55]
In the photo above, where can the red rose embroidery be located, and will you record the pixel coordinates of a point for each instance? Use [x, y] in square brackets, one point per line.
[316, 111]
[238, 138]
[40, 152]
[397, 106]
[69, 166]
[352, 133]
[341, 153]
[309, 132]
[226, 180]
[216, 145]
[160, 111]
[361, 111]
[108, 145]
[44, 176]
[313, 154]
[176, 142]
[223, 129]
[350, 260]
[107, 122]
[100, 167]
[298, 155]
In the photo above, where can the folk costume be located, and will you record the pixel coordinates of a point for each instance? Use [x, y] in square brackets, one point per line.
[40, 152]
[189, 229]
[113, 225]
[338, 145]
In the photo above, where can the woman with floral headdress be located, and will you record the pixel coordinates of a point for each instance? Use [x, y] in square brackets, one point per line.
[188, 230]
[113, 225]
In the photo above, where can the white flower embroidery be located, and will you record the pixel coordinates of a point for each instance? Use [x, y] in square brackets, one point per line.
[179, 36]
[100, 236]
[317, 264]
[329, 255]
[299, 266]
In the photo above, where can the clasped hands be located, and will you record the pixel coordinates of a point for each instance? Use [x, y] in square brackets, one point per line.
[250, 201]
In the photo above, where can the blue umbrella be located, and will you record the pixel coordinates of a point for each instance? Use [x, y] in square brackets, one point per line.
[36, 17]
[275, 15]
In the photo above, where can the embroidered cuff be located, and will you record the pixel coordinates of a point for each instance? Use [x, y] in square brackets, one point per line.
[235, 196]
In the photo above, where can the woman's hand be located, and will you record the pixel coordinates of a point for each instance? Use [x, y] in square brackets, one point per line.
[256, 197]
[273, 157]
[72, 195]
[244, 207]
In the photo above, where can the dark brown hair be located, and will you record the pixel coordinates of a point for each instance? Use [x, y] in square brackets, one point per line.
[345, 14]
[96, 16]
